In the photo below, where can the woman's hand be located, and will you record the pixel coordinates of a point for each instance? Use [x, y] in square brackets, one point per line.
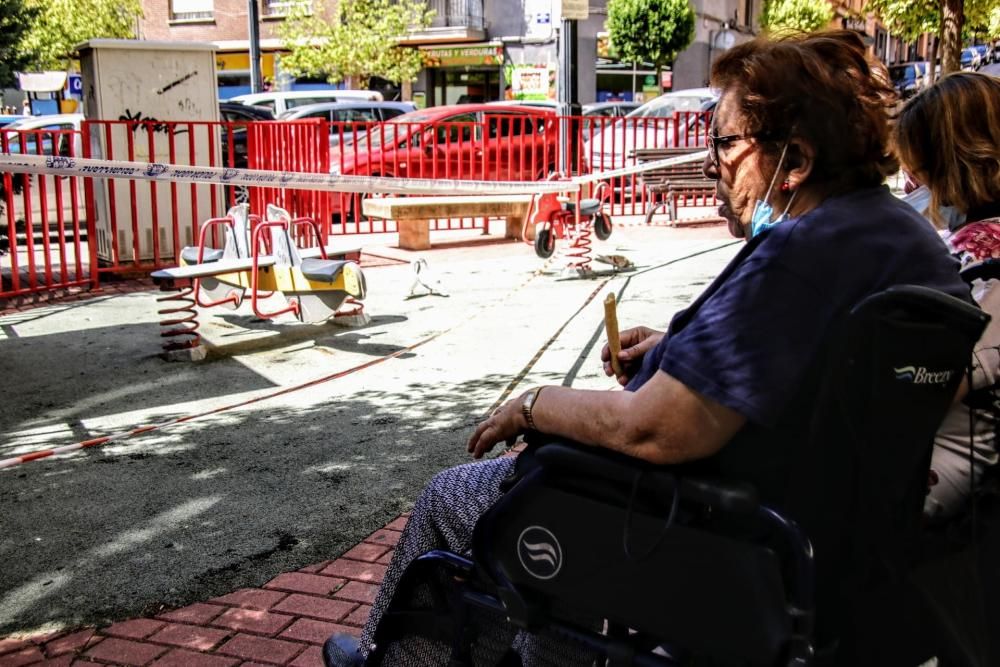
[635, 343]
[504, 425]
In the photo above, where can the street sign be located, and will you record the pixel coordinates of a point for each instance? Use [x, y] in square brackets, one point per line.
[75, 84]
[575, 10]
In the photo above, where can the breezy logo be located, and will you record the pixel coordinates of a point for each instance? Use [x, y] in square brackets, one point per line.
[920, 375]
[539, 552]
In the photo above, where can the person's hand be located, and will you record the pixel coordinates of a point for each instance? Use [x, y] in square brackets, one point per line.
[635, 343]
[504, 425]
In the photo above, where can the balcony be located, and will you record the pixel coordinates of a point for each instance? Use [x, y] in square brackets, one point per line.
[454, 21]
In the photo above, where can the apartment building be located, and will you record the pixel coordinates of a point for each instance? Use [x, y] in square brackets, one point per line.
[474, 49]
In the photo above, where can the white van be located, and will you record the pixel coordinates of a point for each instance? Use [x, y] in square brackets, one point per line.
[281, 101]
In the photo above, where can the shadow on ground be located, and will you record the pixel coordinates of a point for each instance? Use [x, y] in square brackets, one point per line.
[186, 514]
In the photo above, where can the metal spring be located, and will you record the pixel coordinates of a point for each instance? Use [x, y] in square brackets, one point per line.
[179, 324]
[578, 254]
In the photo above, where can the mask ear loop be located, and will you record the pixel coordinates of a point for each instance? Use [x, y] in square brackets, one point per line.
[774, 179]
[785, 212]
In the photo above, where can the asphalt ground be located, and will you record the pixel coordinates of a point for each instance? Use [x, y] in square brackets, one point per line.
[299, 457]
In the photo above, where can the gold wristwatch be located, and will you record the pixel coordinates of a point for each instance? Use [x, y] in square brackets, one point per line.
[528, 403]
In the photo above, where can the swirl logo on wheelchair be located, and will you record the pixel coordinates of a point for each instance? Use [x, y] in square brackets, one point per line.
[539, 552]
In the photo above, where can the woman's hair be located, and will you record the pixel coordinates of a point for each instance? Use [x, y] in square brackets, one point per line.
[821, 88]
[949, 138]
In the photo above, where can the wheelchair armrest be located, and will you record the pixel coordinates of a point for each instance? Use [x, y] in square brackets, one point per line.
[733, 497]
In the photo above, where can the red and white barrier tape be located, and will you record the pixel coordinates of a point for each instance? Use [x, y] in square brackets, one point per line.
[156, 171]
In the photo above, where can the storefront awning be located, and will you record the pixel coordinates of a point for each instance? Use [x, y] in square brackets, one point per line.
[41, 82]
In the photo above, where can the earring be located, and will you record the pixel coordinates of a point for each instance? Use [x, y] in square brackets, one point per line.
[786, 186]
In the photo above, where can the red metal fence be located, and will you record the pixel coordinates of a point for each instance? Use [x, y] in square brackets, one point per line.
[67, 231]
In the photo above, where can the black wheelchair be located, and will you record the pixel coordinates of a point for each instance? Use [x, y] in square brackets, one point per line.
[649, 566]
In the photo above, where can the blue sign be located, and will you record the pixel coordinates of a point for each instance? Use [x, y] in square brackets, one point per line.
[75, 84]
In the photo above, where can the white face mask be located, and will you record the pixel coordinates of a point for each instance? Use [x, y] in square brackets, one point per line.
[763, 211]
[920, 200]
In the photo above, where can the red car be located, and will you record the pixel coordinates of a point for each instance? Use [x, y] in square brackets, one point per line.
[460, 141]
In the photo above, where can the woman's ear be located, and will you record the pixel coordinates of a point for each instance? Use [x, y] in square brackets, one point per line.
[799, 161]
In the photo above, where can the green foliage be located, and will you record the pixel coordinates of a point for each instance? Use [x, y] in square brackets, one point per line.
[787, 16]
[993, 24]
[908, 18]
[652, 31]
[362, 42]
[62, 24]
[15, 19]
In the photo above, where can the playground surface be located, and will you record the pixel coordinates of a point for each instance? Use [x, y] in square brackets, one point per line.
[256, 514]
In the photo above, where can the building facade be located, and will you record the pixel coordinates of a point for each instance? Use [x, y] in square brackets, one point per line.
[473, 50]
[485, 50]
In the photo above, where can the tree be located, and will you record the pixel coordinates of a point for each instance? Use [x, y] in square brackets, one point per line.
[948, 20]
[15, 19]
[785, 16]
[361, 42]
[651, 31]
[62, 24]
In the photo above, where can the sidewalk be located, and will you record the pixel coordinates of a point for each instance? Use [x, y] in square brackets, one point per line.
[283, 623]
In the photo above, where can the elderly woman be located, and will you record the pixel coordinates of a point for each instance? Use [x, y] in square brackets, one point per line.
[799, 150]
[948, 139]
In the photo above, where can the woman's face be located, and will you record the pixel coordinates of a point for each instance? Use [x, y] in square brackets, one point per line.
[743, 174]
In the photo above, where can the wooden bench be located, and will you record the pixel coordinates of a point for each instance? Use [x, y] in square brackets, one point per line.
[681, 180]
[413, 215]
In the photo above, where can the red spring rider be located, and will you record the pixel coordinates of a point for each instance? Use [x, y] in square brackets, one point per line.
[555, 217]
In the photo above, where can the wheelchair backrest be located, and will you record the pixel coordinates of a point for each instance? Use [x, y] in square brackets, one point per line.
[858, 488]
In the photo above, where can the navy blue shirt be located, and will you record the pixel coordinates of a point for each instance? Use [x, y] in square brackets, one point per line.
[751, 339]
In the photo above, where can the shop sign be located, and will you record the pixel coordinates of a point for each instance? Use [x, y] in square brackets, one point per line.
[605, 47]
[649, 87]
[457, 56]
[575, 10]
[532, 82]
[241, 62]
[857, 24]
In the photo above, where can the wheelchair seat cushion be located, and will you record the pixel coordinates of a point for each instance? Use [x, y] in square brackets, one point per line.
[190, 255]
[322, 270]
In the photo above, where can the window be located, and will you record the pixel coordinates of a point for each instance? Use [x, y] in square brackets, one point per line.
[456, 128]
[292, 102]
[512, 125]
[191, 10]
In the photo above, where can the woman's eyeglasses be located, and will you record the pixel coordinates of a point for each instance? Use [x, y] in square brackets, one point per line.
[715, 141]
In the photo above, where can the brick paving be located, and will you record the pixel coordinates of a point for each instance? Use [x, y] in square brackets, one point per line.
[285, 622]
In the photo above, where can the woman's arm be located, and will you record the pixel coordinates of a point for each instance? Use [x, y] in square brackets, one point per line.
[662, 422]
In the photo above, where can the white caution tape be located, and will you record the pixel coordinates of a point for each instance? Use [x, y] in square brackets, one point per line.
[642, 167]
[156, 171]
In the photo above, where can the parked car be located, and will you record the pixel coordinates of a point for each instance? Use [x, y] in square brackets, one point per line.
[236, 134]
[461, 141]
[610, 109]
[349, 118]
[45, 129]
[910, 78]
[55, 134]
[984, 54]
[281, 101]
[235, 112]
[6, 120]
[593, 109]
[969, 58]
[651, 125]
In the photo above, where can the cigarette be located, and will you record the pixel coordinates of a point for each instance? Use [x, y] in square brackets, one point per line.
[611, 327]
